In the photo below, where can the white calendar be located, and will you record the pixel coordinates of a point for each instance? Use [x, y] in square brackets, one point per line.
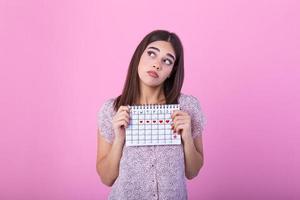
[151, 125]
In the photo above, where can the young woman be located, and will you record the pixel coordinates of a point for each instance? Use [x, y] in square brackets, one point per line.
[155, 76]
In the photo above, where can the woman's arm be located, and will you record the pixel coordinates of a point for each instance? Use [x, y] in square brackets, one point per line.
[193, 150]
[108, 159]
[109, 155]
[193, 156]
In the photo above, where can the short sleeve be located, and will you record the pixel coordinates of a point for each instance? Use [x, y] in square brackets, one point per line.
[198, 118]
[104, 120]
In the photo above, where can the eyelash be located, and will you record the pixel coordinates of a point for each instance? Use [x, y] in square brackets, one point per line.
[151, 52]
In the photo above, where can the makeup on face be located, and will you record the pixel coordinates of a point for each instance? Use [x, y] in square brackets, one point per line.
[170, 60]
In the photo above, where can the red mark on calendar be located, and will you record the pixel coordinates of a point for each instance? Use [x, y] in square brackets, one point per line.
[167, 121]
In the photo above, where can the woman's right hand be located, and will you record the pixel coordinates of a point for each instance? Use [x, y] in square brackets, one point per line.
[120, 122]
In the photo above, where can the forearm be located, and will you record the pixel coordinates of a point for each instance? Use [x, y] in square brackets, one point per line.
[108, 167]
[193, 159]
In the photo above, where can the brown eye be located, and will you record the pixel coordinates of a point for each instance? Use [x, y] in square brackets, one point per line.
[168, 62]
[151, 53]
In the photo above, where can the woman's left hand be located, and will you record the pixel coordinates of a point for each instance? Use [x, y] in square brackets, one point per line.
[182, 124]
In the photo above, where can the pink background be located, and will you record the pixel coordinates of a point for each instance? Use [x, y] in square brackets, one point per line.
[60, 60]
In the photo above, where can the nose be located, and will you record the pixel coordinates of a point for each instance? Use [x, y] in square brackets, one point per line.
[157, 66]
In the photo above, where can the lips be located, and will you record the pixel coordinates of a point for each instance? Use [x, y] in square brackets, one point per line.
[153, 74]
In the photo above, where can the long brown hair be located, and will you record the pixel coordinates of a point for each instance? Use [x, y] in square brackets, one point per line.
[172, 85]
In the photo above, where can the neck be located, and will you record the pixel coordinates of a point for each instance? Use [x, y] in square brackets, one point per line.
[151, 95]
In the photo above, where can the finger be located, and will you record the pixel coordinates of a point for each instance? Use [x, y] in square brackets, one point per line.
[122, 123]
[123, 118]
[177, 113]
[179, 128]
[118, 114]
[175, 127]
[178, 118]
[123, 111]
[185, 122]
[179, 123]
[123, 108]
[123, 114]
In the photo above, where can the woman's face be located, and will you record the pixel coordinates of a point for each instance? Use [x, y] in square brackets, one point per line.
[156, 63]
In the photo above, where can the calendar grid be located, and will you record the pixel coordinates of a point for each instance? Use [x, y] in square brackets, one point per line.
[151, 125]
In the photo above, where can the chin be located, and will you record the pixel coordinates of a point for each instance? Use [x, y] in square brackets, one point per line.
[152, 83]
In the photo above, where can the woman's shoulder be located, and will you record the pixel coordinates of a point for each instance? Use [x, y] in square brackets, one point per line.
[187, 99]
[107, 105]
[191, 104]
[109, 101]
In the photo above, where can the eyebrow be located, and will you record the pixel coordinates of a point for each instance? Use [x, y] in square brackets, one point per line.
[159, 51]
